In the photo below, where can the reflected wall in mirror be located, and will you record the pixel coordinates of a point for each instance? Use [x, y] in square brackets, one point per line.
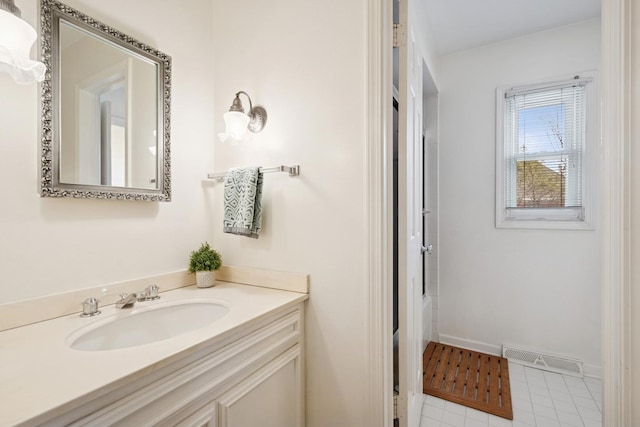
[105, 111]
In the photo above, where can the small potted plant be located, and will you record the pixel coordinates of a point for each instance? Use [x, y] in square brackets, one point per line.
[204, 262]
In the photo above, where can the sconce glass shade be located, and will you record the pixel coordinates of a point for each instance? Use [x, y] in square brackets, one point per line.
[16, 39]
[236, 126]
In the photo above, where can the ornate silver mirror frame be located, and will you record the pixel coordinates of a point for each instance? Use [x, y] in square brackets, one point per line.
[157, 187]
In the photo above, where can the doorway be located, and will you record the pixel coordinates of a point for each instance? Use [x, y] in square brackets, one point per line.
[615, 29]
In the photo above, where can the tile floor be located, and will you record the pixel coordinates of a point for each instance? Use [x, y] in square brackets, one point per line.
[539, 398]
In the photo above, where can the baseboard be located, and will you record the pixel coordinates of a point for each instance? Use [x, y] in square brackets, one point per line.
[482, 347]
[592, 371]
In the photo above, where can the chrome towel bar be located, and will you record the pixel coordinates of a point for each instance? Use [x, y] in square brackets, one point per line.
[293, 170]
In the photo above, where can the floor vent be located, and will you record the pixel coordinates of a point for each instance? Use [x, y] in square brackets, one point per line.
[548, 362]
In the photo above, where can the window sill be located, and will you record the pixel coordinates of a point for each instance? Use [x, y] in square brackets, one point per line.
[544, 224]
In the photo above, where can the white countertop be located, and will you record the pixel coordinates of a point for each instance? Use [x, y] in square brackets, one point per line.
[40, 373]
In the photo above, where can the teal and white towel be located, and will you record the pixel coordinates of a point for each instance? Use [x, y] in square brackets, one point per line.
[242, 201]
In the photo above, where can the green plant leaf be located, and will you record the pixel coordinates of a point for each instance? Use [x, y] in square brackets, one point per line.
[204, 259]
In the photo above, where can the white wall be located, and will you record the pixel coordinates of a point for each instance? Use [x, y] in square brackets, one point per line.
[540, 289]
[50, 246]
[305, 63]
[418, 15]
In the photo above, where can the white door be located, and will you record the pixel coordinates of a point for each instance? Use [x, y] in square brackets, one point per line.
[410, 195]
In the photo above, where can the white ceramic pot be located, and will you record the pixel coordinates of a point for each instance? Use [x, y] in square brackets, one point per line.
[205, 279]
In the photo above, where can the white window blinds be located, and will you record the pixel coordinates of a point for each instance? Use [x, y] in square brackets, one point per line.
[544, 133]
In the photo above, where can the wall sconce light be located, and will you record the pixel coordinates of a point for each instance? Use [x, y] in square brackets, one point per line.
[16, 39]
[237, 122]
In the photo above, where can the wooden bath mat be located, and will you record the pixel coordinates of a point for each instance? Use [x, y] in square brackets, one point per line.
[472, 379]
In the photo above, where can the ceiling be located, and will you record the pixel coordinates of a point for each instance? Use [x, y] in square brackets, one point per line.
[463, 24]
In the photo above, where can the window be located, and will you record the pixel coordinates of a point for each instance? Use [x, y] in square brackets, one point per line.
[545, 142]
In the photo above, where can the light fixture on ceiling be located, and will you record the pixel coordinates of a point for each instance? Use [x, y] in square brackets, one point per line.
[16, 39]
[237, 122]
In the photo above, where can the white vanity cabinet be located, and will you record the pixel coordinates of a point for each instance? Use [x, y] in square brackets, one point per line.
[265, 399]
[254, 376]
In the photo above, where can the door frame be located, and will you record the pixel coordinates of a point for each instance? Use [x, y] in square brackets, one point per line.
[379, 208]
[616, 323]
[616, 329]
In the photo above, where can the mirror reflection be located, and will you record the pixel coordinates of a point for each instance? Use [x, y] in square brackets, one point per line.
[109, 126]
[109, 106]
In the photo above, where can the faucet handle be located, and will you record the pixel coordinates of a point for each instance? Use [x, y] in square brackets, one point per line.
[90, 307]
[151, 292]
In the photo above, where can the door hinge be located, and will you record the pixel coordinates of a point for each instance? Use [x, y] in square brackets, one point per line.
[399, 35]
[395, 406]
[399, 406]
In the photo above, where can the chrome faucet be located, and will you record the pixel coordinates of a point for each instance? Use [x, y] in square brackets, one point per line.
[126, 301]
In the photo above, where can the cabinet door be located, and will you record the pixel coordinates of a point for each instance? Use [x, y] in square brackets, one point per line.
[271, 397]
[205, 417]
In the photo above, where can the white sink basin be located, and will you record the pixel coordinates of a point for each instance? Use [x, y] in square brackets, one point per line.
[143, 325]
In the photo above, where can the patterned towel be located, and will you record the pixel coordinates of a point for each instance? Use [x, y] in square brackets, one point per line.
[242, 201]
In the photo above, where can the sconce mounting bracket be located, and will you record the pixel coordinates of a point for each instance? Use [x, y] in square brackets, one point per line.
[258, 119]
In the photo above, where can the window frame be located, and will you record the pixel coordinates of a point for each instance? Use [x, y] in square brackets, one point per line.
[583, 218]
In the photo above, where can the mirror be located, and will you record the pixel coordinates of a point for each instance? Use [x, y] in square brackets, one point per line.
[105, 122]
